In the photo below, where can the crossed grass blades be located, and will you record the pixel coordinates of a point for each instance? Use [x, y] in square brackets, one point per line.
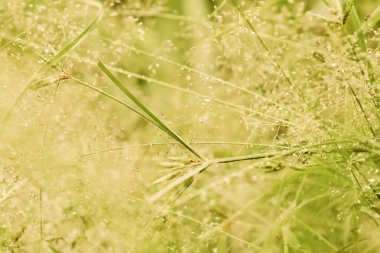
[277, 198]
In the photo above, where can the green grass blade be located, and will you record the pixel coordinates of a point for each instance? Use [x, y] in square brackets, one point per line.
[233, 106]
[71, 45]
[54, 60]
[373, 19]
[155, 118]
[115, 99]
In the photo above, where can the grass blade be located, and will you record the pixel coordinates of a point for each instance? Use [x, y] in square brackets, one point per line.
[231, 105]
[54, 60]
[71, 45]
[113, 98]
[373, 19]
[155, 118]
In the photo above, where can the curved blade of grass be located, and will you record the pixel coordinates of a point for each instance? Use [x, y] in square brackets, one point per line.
[159, 122]
[72, 44]
[199, 95]
[206, 75]
[55, 59]
[373, 19]
[115, 99]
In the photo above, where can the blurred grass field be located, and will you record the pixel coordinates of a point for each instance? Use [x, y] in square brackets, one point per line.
[189, 126]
